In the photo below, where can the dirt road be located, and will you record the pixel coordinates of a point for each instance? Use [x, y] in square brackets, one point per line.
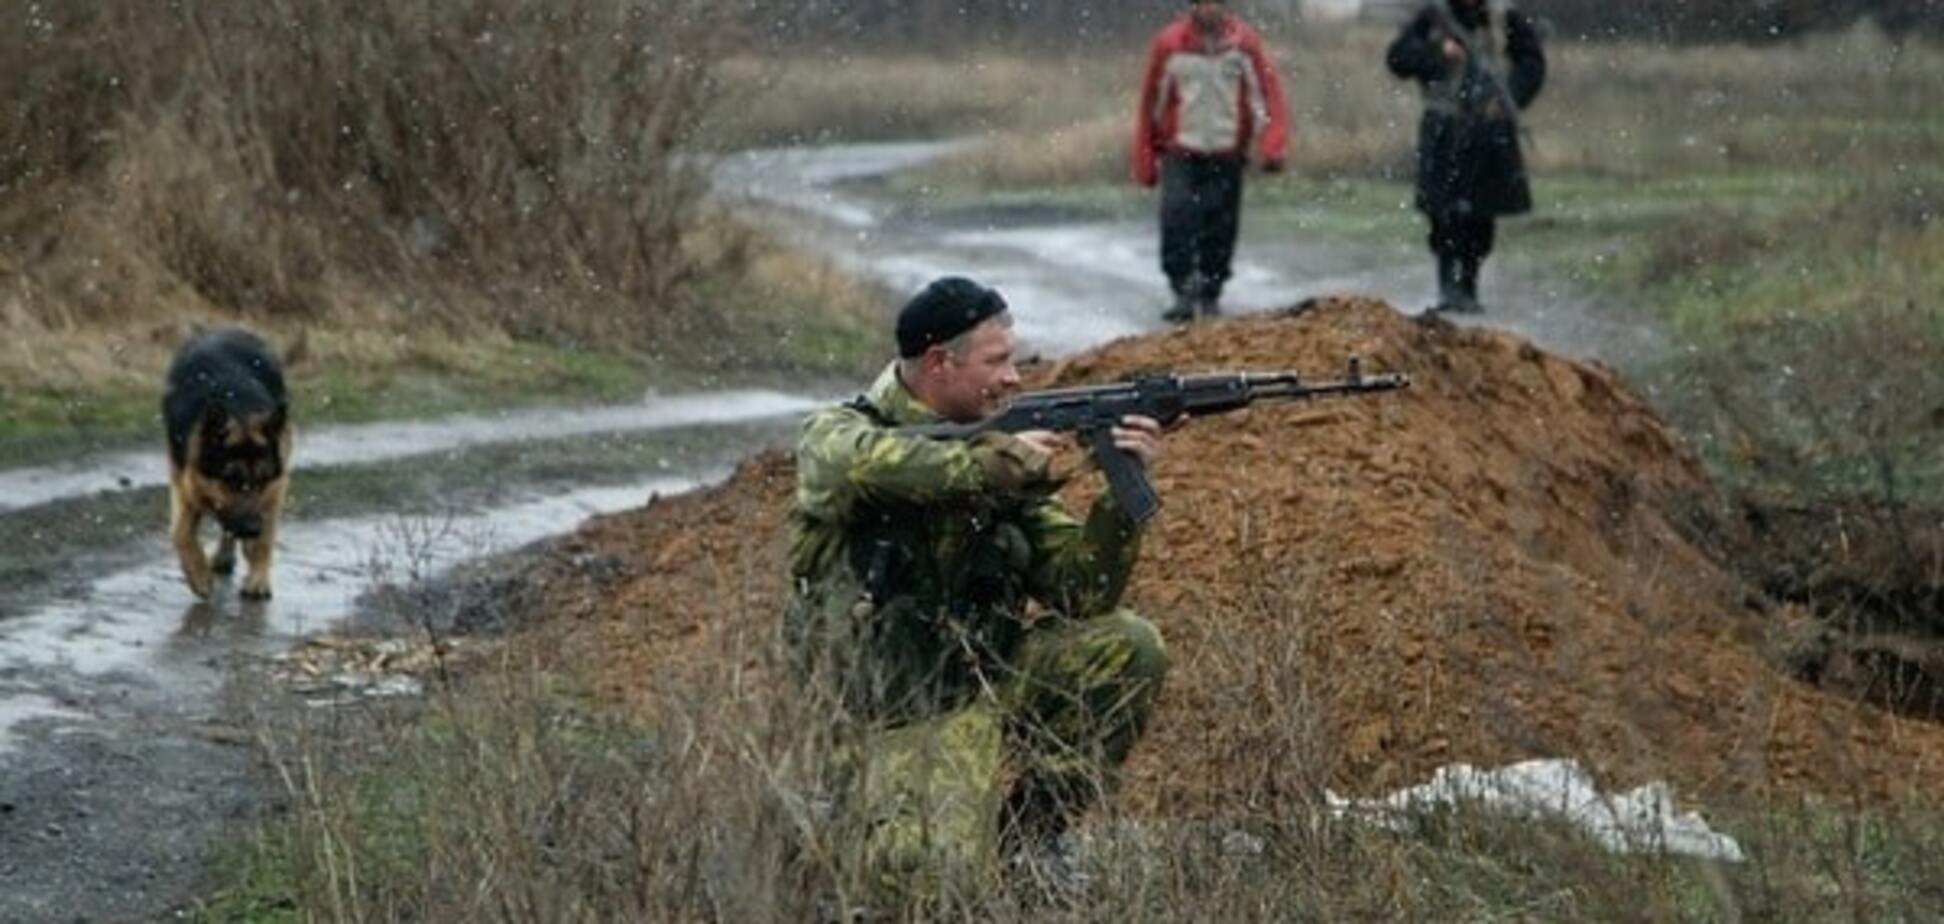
[1077, 281]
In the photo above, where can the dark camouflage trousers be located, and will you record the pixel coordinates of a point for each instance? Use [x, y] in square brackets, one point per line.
[921, 820]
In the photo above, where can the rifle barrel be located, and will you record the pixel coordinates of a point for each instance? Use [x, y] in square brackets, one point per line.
[1292, 388]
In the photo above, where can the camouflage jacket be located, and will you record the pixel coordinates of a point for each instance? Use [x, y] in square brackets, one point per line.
[914, 559]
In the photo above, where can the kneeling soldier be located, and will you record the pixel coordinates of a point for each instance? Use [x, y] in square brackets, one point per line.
[914, 562]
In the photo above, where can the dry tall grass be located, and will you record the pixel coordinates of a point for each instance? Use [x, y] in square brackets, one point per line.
[501, 799]
[490, 162]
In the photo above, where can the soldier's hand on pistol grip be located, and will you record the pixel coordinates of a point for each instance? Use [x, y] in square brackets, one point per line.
[1140, 436]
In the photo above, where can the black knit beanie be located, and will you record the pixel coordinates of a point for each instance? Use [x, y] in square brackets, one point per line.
[944, 309]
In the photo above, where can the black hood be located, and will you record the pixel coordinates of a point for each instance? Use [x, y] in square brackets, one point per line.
[1470, 15]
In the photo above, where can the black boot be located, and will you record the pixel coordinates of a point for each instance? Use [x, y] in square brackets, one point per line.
[1032, 815]
[1468, 283]
[1037, 850]
[1191, 298]
[1209, 305]
[1182, 311]
[1450, 293]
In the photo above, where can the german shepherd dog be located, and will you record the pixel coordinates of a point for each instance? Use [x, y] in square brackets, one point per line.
[230, 435]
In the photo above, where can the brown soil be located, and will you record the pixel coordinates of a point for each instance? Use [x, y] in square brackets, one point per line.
[1493, 565]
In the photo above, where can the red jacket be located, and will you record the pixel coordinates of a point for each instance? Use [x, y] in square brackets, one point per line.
[1208, 101]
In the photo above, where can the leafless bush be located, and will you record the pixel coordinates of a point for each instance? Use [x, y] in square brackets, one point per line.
[1826, 423]
[500, 798]
[265, 152]
[59, 100]
[1797, 405]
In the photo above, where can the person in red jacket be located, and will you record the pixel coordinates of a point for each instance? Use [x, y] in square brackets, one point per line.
[1209, 94]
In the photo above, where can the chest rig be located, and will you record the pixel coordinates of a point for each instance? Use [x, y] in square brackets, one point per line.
[947, 578]
[958, 558]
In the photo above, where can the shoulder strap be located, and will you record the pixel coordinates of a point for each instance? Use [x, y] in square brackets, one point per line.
[862, 404]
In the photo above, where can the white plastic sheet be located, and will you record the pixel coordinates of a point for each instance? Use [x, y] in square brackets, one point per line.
[1642, 820]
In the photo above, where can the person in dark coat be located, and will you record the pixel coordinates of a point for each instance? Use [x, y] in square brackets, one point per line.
[1479, 62]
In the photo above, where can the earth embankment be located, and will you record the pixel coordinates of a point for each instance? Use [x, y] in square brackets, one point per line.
[1513, 558]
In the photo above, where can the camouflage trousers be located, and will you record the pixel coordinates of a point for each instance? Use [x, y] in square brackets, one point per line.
[922, 818]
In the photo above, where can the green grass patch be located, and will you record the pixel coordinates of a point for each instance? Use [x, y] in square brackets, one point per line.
[756, 330]
[38, 426]
[289, 871]
[258, 882]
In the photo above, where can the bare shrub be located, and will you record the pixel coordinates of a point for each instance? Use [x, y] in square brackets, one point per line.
[501, 798]
[1797, 406]
[60, 99]
[523, 153]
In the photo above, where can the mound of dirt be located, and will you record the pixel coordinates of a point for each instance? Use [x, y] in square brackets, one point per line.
[1493, 565]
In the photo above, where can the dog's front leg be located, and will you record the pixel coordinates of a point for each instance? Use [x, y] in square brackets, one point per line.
[260, 550]
[183, 520]
[225, 560]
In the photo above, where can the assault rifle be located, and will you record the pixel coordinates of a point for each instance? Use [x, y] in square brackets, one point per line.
[1482, 96]
[1092, 411]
